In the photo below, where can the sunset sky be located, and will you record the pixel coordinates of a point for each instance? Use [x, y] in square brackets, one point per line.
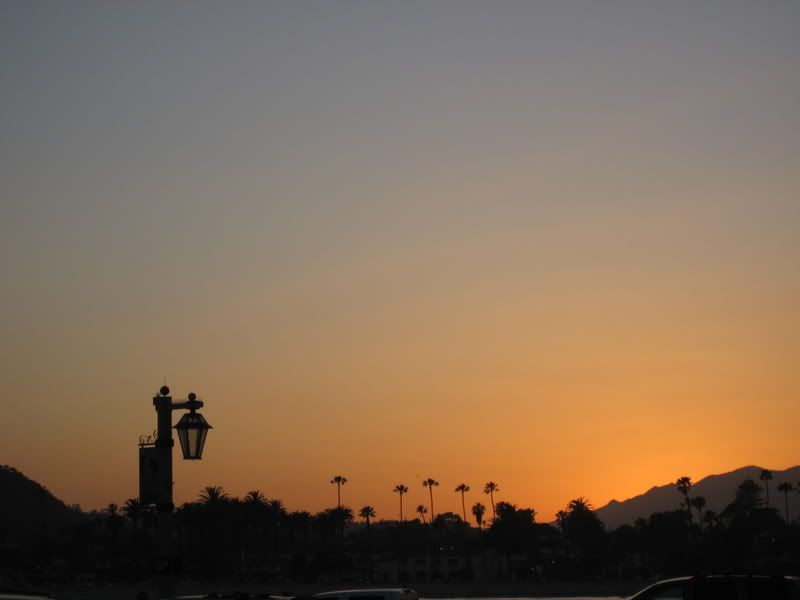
[551, 244]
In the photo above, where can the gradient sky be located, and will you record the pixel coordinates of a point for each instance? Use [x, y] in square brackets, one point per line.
[554, 245]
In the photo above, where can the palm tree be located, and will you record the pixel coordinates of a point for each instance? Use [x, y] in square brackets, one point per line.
[300, 523]
[367, 513]
[710, 519]
[339, 480]
[255, 498]
[463, 488]
[430, 483]
[699, 502]
[276, 506]
[213, 494]
[786, 487]
[490, 488]
[422, 511]
[478, 510]
[766, 477]
[134, 511]
[400, 489]
[341, 516]
[684, 484]
[579, 504]
[561, 519]
[114, 522]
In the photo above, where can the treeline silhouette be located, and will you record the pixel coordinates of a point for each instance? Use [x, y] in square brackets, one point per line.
[255, 538]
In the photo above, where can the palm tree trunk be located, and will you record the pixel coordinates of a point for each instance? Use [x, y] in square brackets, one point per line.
[430, 489]
[491, 496]
[401, 508]
[786, 495]
[338, 495]
[463, 506]
[369, 548]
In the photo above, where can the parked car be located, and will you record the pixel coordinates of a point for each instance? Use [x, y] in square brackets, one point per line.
[723, 587]
[369, 594]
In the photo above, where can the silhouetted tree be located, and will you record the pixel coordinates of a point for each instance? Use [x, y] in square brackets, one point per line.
[430, 483]
[710, 518]
[664, 537]
[134, 511]
[490, 488]
[766, 477]
[561, 518]
[579, 504]
[338, 517]
[748, 495]
[684, 484]
[463, 488]
[113, 521]
[584, 531]
[276, 507]
[339, 480]
[256, 498]
[213, 494]
[367, 513]
[478, 510]
[699, 503]
[512, 531]
[624, 541]
[400, 489]
[326, 523]
[422, 511]
[786, 487]
[299, 521]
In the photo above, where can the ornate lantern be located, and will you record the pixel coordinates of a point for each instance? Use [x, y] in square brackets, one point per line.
[192, 429]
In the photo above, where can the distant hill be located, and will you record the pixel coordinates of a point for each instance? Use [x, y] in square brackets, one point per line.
[28, 511]
[718, 490]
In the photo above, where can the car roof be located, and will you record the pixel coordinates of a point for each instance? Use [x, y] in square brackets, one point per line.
[364, 591]
[726, 576]
[714, 578]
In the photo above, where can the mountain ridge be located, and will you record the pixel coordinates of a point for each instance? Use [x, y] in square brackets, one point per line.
[718, 489]
[28, 510]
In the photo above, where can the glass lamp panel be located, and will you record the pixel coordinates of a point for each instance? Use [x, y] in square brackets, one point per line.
[192, 429]
[201, 442]
[191, 442]
[182, 438]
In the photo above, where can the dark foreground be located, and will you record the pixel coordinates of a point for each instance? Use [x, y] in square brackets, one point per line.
[552, 589]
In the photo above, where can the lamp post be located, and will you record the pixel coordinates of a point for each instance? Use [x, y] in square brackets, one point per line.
[155, 464]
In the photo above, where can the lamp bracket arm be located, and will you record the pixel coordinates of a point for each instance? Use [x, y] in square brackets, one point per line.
[188, 404]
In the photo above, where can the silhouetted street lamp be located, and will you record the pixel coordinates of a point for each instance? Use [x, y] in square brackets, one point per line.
[155, 455]
[155, 465]
[192, 430]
